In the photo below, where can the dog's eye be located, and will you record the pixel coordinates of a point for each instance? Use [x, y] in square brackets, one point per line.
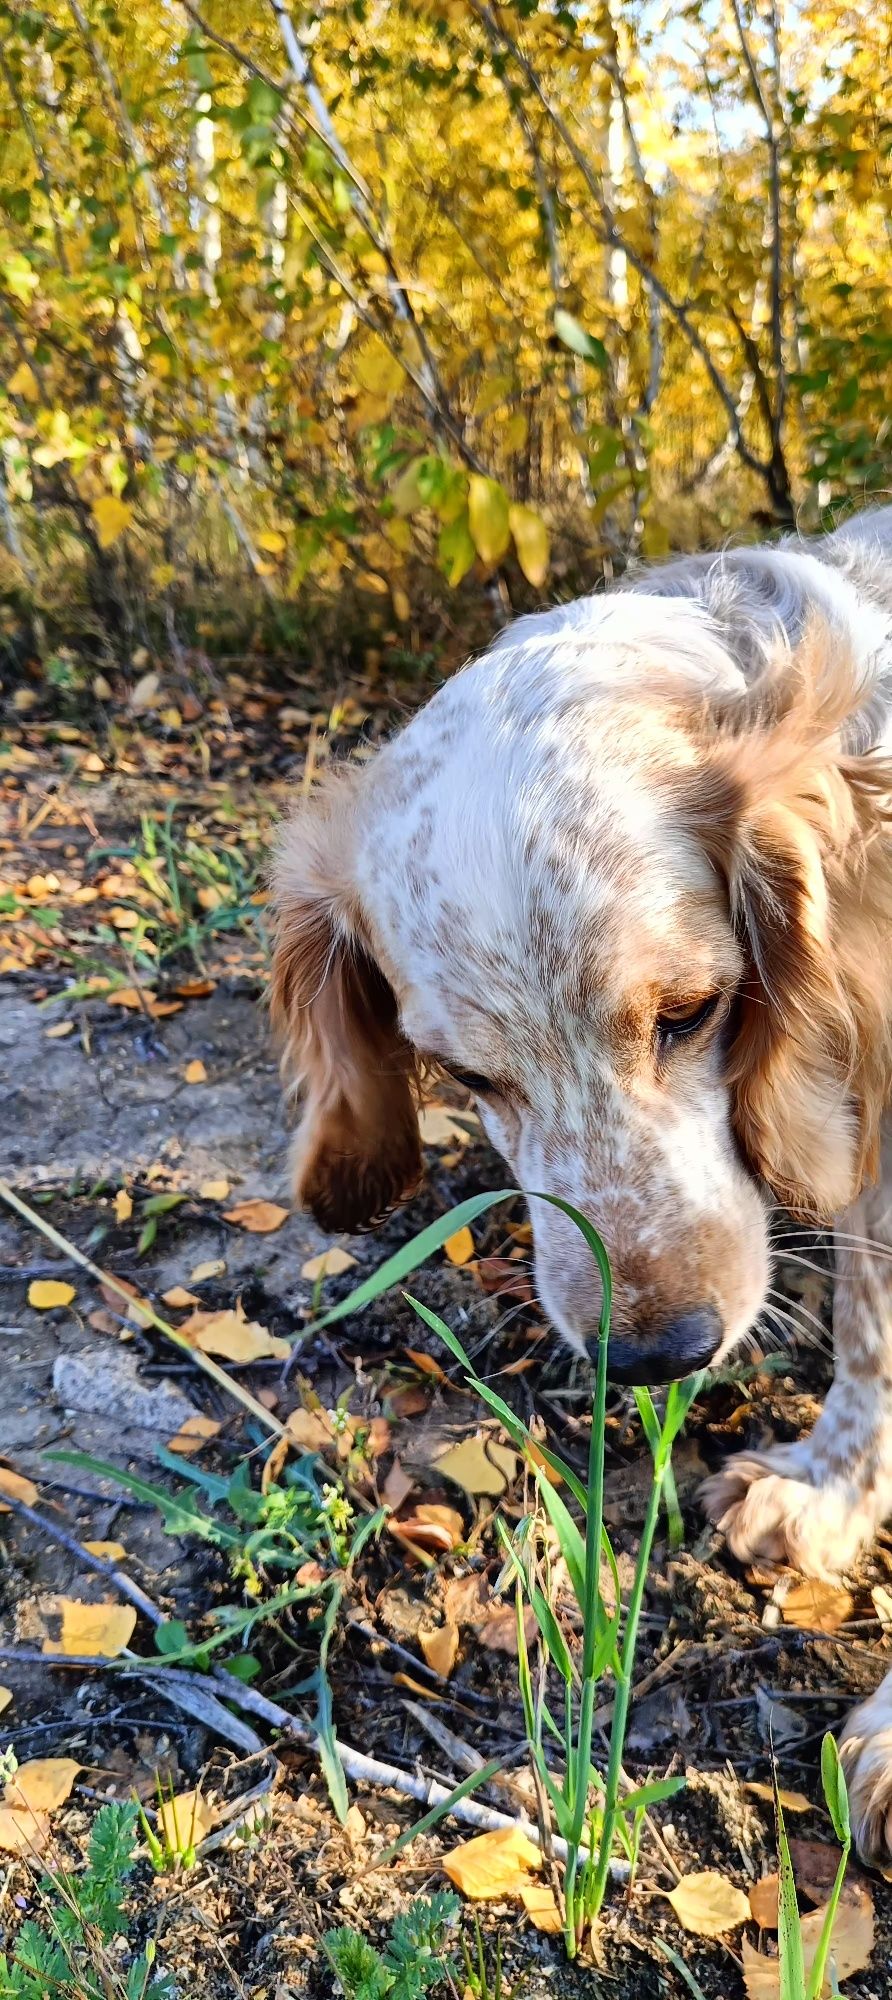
[675, 1022]
[479, 1086]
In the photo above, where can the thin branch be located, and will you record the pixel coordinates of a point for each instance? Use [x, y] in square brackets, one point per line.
[770, 123]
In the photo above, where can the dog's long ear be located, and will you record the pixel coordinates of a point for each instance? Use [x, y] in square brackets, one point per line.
[357, 1149]
[802, 832]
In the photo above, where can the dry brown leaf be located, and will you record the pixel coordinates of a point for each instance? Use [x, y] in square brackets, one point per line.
[214, 1190]
[460, 1247]
[541, 1907]
[850, 1949]
[417, 1687]
[23, 1832]
[193, 1434]
[232, 1336]
[493, 1865]
[498, 1631]
[764, 1900]
[440, 1649]
[708, 1904]
[397, 1486]
[500, 1277]
[479, 1465]
[47, 1292]
[42, 1785]
[6, 1696]
[213, 1268]
[795, 1802]
[815, 1606]
[409, 1402]
[426, 1364]
[467, 1600]
[260, 1218]
[814, 1865]
[178, 1296]
[59, 1030]
[195, 989]
[435, 1528]
[309, 1429]
[438, 1128]
[184, 1821]
[110, 1552]
[123, 1205]
[17, 1487]
[195, 1071]
[99, 1630]
[882, 1604]
[328, 1264]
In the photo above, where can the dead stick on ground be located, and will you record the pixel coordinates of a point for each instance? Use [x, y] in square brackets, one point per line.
[122, 1583]
[146, 1314]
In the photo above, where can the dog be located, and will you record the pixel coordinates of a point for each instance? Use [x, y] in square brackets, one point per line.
[628, 878]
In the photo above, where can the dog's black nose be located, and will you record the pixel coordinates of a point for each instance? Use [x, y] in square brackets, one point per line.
[679, 1349]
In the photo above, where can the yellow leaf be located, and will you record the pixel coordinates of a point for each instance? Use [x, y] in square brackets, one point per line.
[184, 1821]
[814, 1606]
[232, 1336]
[541, 1908]
[790, 1801]
[488, 517]
[402, 609]
[98, 1630]
[24, 383]
[178, 1296]
[214, 1267]
[437, 1128]
[194, 1433]
[493, 1865]
[440, 1649]
[6, 1696]
[214, 1190]
[42, 1785]
[123, 1205]
[260, 1218]
[195, 1071]
[47, 1292]
[850, 1950]
[479, 1466]
[531, 542]
[18, 1488]
[271, 540]
[111, 518]
[515, 432]
[329, 1264]
[378, 371]
[708, 1904]
[460, 1247]
[112, 1552]
[23, 1832]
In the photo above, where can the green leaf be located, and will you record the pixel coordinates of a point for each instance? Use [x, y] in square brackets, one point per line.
[456, 549]
[575, 337]
[835, 1790]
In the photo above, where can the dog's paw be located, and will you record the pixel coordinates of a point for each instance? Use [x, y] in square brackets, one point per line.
[766, 1508]
[865, 1748]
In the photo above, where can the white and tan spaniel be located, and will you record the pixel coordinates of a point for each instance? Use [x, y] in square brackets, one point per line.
[629, 878]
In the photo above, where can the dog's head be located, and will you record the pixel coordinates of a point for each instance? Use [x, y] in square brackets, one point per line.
[636, 908]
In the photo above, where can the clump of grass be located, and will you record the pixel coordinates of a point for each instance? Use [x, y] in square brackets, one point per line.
[414, 1962]
[795, 1982]
[593, 1813]
[68, 1952]
[191, 892]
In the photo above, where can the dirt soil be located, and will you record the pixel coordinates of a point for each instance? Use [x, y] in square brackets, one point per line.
[106, 1108]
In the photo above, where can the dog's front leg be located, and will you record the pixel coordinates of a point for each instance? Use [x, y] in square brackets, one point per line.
[816, 1504]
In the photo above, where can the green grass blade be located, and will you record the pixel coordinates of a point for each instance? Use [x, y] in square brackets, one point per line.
[441, 1811]
[404, 1261]
[792, 1965]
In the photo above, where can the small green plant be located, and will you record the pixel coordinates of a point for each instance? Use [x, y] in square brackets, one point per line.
[797, 1983]
[414, 1960]
[486, 1982]
[189, 892]
[594, 1812]
[67, 1952]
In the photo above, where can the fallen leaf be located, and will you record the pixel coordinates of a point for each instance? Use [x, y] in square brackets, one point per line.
[498, 1631]
[708, 1904]
[195, 1072]
[460, 1247]
[195, 989]
[17, 1487]
[541, 1907]
[440, 1649]
[397, 1486]
[479, 1465]
[814, 1606]
[309, 1429]
[23, 1832]
[790, 1801]
[467, 1600]
[42, 1785]
[501, 1277]
[437, 1128]
[112, 1552]
[184, 1821]
[417, 1687]
[882, 1604]
[214, 1190]
[213, 1268]
[99, 1630]
[329, 1264]
[764, 1900]
[232, 1336]
[47, 1292]
[814, 1865]
[129, 996]
[59, 1030]
[426, 1364]
[850, 1949]
[260, 1218]
[178, 1296]
[123, 1205]
[432, 1527]
[409, 1402]
[6, 1697]
[193, 1434]
[493, 1865]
